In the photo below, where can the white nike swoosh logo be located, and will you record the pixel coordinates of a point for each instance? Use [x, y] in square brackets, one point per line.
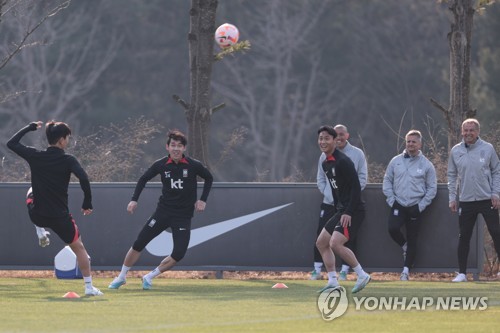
[162, 245]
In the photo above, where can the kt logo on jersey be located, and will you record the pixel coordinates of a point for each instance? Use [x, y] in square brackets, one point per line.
[176, 184]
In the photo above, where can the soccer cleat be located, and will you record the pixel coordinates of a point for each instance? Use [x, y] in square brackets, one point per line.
[342, 276]
[361, 283]
[404, 277]
[93, 292]
[460, 278]
[328, 286]
[117, 283]
[316, 276]
[43, 237]
[146, 283]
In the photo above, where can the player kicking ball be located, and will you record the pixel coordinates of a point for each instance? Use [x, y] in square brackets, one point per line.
[51, 170]
[346, 190]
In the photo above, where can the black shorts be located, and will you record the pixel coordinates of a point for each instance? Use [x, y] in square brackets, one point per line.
[349, 232]
[159, 222]
[326, 213]
[65, 227]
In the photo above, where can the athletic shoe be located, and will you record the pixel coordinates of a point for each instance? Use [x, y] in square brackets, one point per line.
[361, 283]
[93, 292]
[404, 277]
[117, 283]
[146, 283]
[43, 237]
[316, 276]
[461, 277]
[328, 286]
[342, 276]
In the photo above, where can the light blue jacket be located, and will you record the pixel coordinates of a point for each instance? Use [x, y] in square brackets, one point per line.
[474, 171]
[410, 181]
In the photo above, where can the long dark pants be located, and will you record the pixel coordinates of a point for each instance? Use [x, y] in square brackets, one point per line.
[399, 217]
[467, 216]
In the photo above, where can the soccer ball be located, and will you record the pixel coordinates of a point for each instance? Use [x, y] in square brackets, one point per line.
[226, 35]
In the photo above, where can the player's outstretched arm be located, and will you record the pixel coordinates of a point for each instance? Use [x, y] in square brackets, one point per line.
[16, 146]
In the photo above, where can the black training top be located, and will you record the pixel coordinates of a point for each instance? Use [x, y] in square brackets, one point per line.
[51, 170]
[179, 191]
[344, 182]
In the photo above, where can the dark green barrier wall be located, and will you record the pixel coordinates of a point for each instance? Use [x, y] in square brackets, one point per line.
[246, 226]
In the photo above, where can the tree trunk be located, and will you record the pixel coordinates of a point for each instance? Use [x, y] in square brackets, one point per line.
[201, 44]
[460, 52]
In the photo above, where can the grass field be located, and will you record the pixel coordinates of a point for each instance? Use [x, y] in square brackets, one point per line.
[210, 305]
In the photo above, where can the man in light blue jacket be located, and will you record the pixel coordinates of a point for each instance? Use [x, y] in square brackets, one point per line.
[328, 206]
[410, 185]
[473, 177]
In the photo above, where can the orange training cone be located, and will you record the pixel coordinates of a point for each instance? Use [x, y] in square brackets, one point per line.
[280, 286]
[71, 294]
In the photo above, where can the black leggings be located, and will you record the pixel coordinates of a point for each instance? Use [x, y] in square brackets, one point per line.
[398, 217]
[467, 217]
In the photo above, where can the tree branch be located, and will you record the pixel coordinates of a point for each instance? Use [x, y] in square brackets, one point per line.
[217, 108]
[22, 44]
[439, 106]
[238, 47]
[182, 102]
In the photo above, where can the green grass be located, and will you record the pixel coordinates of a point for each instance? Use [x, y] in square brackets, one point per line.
[187, 305]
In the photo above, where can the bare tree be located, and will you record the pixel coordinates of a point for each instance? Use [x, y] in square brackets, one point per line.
[460, 40]
[280, 106]
[201, 44]
[18, 7]
[114, 152]
[397, 48]
[49, 79]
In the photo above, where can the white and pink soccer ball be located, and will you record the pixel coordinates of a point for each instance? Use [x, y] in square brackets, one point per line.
[226, 35]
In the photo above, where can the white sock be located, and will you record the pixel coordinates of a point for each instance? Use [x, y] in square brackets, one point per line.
[406, 270]
[359, 270]
[404, 247]
[40, 232]
[123, 272]
[332, 278]
[318, 266]
[345, 268]
[155, 272]
[88, 282]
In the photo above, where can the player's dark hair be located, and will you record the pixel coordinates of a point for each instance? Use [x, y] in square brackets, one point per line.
[329, 129]
[56, 130]
[177, 136]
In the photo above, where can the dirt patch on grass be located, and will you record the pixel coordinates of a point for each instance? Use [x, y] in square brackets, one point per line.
[243, 275]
